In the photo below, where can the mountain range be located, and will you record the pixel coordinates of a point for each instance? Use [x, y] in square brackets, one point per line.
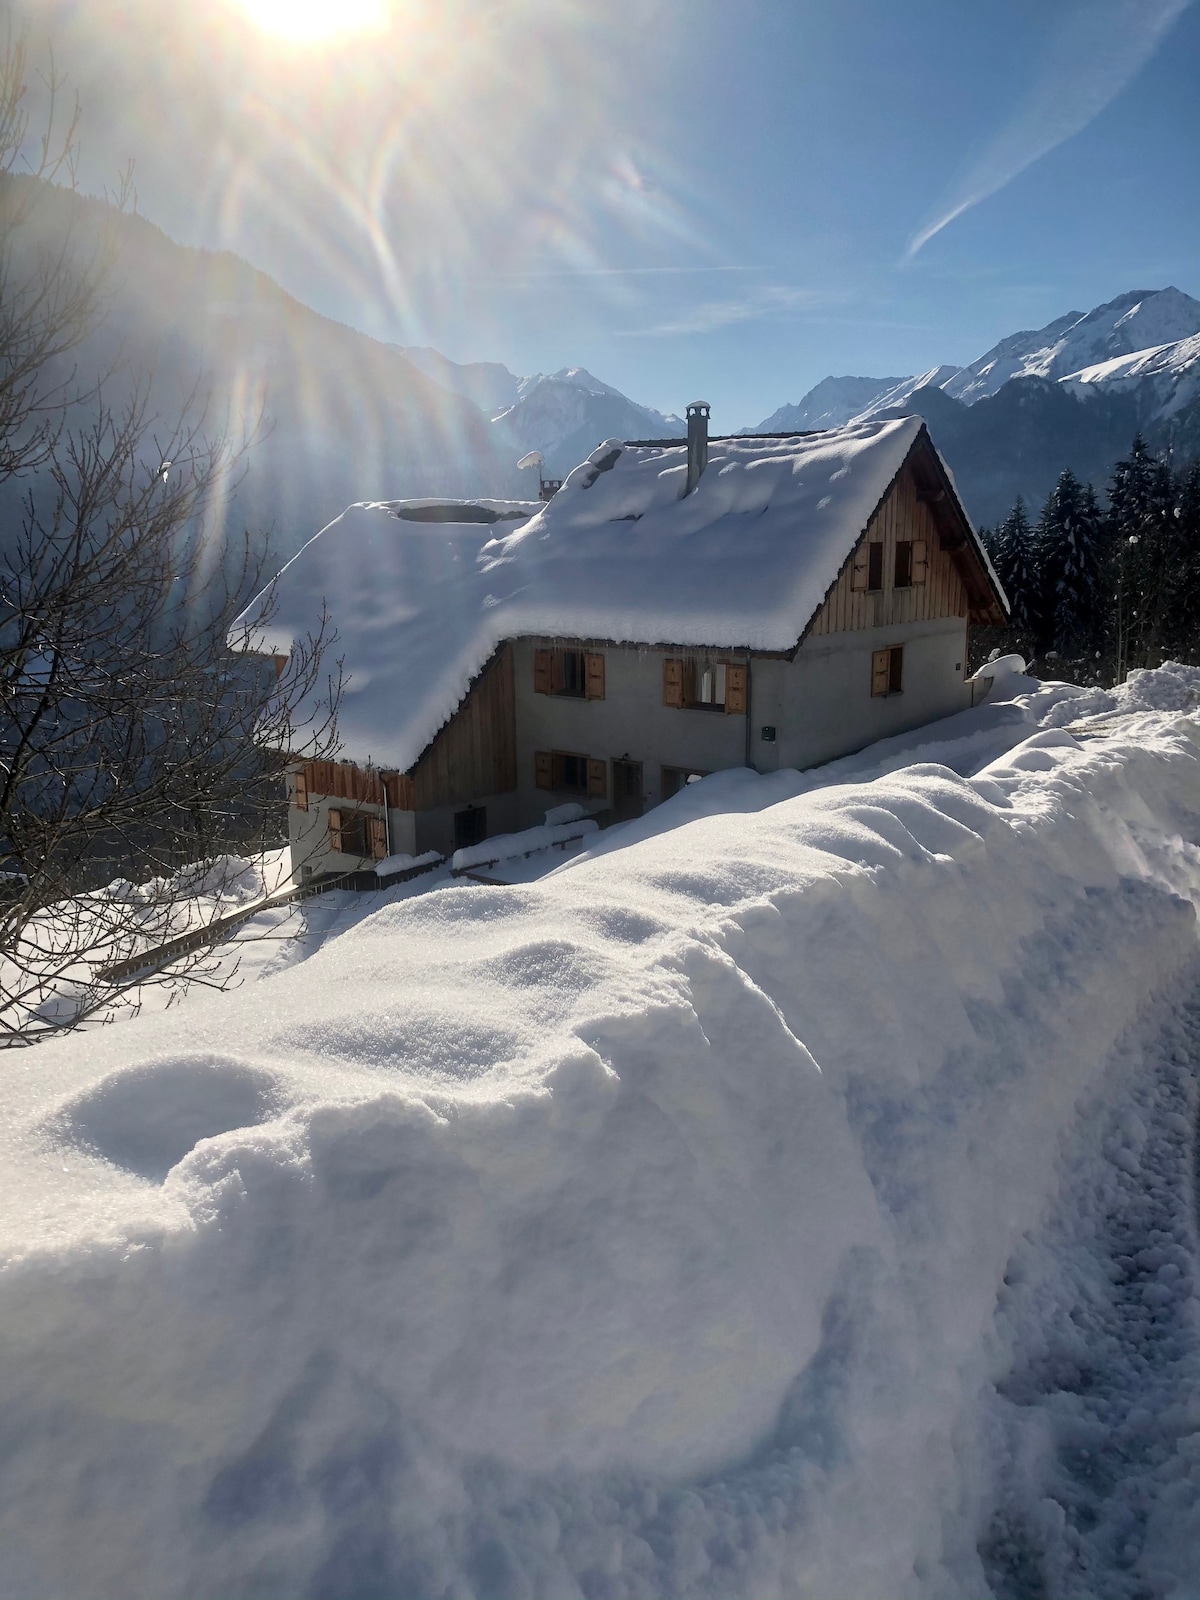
[1070, 394]
[340, 416]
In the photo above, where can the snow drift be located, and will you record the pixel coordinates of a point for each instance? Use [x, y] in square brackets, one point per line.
[640, 1232]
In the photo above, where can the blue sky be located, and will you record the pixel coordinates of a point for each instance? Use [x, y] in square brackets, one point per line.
[689, 197]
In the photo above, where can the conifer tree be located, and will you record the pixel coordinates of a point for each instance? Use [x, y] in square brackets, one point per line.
[1069, 542]
[1145, 555]
[1017, 569]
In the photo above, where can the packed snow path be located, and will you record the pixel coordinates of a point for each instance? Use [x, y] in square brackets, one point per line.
[797, 1201]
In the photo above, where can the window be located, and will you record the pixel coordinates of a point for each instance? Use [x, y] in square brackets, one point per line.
[571, 774]
[875, 566]
[676, 778]
[470, 827]
[912, 563]
[348, 832]
[887, 670]
[904, 564]
[704, 684]
[357, 833]
[578, 674]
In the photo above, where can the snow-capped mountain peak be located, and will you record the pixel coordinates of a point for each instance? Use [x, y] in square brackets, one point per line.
[1134, 321]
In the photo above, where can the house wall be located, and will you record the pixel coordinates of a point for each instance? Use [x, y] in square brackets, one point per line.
[943, 594]
[435, 827]
[308, 833]
[475, 753]
[630, 722]
[821, 705]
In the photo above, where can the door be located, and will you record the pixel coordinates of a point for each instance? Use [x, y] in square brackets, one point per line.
[627, 789]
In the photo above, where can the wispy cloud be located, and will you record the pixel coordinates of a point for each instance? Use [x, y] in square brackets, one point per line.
[774, 301]
[1095, 49]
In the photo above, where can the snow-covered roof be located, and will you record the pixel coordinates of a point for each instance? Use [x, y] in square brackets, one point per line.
[745, 560]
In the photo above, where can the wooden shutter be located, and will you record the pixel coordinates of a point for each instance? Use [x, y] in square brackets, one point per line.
[880, 671]
[597, 779]
[593, 663]
[335, 830]
[673, 683]
[300, 791]
[543, 769]
[376, 838]
[543, 671]
[858, 570]
[920, 561]
[735, 690]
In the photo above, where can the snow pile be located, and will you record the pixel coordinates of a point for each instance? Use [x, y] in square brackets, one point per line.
[390, 865]
[66, 948]
[743, 561]
[688, 1223]
[503, 846]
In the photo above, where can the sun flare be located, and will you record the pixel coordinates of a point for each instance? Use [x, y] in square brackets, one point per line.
[306, 21]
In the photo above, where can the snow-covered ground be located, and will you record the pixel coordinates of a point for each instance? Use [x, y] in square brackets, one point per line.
[790, 1195]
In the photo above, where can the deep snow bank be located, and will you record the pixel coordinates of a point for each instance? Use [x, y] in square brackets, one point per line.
[635, 1233]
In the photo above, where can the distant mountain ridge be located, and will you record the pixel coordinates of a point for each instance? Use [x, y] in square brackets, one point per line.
[563, 414]
[352, 418]
[1069, 394]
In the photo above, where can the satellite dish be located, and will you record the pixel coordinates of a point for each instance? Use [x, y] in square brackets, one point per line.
[535, 458]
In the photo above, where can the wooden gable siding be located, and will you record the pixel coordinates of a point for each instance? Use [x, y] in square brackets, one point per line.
[902, 515]
[342, 780]
[475, 754]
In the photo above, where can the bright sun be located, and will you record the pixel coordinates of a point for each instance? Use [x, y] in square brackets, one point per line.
[314, 20]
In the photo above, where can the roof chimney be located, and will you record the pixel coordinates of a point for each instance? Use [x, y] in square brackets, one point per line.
[697, 440]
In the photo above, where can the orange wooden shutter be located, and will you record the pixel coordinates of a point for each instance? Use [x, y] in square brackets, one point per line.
[594, 675]
[335, 830]
[300, 791]
[673, 683]
[543, 667]
[597, 779]
[735, 690]
[880, 671]
[543, 769]
[377, 838]
[920, 561]
[858, 570]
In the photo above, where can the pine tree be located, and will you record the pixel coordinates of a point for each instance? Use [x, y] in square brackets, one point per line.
[1018, 570]
[1069, 546]
[1145, 555]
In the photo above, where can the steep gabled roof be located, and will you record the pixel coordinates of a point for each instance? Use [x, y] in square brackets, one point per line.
[744, 561]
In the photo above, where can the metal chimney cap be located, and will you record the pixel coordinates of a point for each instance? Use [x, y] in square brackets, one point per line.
[698, 405]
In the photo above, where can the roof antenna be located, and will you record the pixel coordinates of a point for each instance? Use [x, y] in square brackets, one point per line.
[547, 487]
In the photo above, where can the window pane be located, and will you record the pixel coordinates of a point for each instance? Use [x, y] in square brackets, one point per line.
[875, 565]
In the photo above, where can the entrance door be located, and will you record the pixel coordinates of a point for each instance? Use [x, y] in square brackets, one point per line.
[627, 789]
[470, 827]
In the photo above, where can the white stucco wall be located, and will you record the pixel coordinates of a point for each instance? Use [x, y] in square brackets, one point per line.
[820, 705]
